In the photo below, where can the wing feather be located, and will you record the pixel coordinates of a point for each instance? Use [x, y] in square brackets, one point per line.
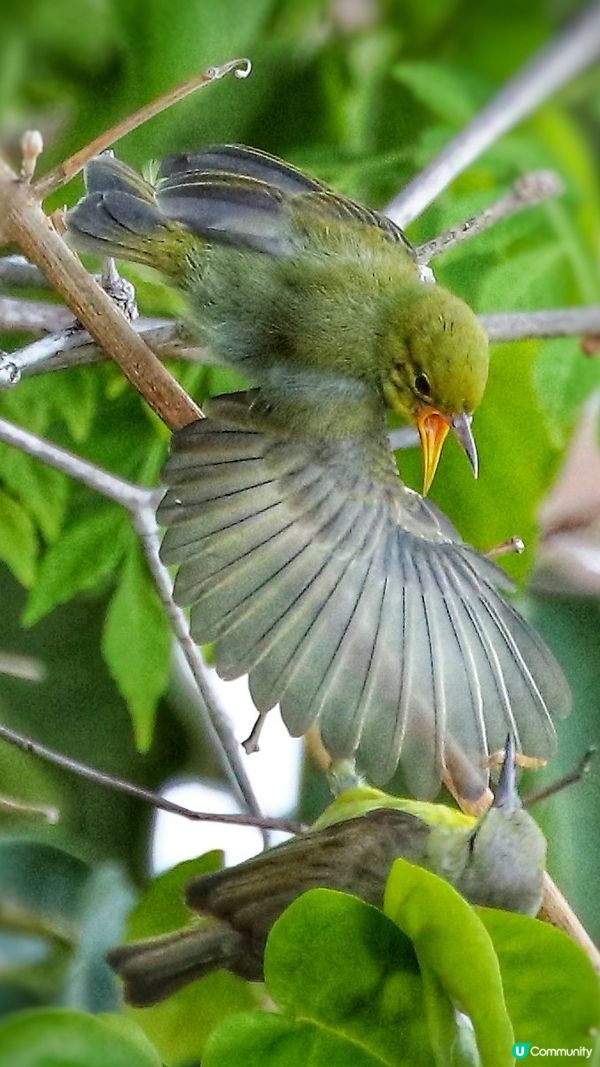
[352, 602]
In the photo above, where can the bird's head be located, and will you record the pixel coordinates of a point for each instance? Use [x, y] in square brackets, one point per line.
[506, 851]
[436, 370]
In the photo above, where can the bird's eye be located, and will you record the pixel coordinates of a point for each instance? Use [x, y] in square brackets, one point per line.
[422, 385]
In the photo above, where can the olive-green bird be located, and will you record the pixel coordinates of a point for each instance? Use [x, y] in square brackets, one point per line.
[347, 597]
[497, 861]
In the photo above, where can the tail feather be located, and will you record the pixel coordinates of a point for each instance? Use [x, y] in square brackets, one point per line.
[119, 217]
[154, 969]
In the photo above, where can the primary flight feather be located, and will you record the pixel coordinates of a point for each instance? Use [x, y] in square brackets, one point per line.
[347, 597]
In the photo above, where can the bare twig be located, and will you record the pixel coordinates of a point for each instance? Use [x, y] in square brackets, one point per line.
[10, 806]
[525, 325]
[18, 271]
[216, 718]
[70, 167]
[571, 778]
[528, 190]
[170, 340]
[141, 503]
[130, 496]
[572, 51]
[32, 316]
[28, 669]
[507, 548]
[109, 781]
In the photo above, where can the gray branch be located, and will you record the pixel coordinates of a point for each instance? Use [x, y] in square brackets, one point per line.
[141, 503]
[19, 272]
[530, 189]
[570, 53]
[526, 325]
[32, 316]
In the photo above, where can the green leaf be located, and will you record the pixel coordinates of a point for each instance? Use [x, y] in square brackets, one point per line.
[137, 644]
[18, 543]
[457, 960]
[61, 1038]
[42, 490]
[452, 93]
[349, 982]
[160, 909]
[552, 992]
[83, 557]
[41, 887]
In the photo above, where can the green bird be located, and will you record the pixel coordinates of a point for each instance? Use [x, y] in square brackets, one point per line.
[348, 598]
[497, 861]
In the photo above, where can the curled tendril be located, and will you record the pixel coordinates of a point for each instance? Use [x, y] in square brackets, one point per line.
[241, 68]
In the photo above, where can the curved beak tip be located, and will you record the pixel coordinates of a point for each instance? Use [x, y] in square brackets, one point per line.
[505, 794]
[461, 428]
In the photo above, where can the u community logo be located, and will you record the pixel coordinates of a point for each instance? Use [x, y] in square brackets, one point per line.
[522, 1049]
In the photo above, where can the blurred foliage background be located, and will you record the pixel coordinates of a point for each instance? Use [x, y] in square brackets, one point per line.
[362, 93]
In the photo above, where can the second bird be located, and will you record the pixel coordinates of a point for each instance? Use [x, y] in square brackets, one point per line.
[348, 598]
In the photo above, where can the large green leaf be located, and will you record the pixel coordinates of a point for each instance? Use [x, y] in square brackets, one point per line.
[348, 983]
[61, 1038]
[457, 961]
[552, 992]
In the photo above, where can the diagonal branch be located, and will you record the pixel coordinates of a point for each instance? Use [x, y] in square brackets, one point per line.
[70, 167]
[572, 51]
[141, 503]
[109, 781]
[23, 221]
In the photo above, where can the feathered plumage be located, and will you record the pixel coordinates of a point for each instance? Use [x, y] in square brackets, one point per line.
[348, 598]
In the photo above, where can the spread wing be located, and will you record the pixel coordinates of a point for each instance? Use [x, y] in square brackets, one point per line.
[352, 856]
[236, 195]
[351, 602]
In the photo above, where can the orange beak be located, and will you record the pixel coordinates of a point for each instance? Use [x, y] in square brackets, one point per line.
[433, 428]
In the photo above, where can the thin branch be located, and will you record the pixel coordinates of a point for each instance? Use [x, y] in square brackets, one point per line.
[70, 167]
[530, 189]
[216, 718]
[571, 778]
[141, 504]
[526, 325]
[32, 316]
[19, 272]
[26, 668]
[570, 53]
[73, 347]
[10, 806]
[130, 496]
[170, 340]
[119, 785]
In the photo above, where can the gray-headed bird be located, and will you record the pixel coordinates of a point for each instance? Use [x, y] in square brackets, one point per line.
[497, 861]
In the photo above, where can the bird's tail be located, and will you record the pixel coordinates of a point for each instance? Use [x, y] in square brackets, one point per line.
[119, 217]
[154, 969]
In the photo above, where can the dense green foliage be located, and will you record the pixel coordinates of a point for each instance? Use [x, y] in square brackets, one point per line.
[363, 104]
